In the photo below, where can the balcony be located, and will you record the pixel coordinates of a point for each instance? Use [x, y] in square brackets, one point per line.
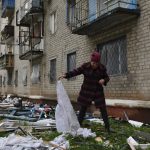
[30, 47]
[30, 8]
[7, 61]
[8, 7]
[7, 32]
[88, 17]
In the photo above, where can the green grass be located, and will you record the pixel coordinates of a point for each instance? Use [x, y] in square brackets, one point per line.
[48, 136]
[117, 139]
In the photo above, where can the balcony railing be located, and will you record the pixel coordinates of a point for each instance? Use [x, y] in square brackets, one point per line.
[89, 17]
[29, 7]
[7, 61]
[8, 7]
[30, 47]
[7, 32]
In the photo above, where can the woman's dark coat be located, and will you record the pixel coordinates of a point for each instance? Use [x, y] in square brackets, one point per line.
[91, 90]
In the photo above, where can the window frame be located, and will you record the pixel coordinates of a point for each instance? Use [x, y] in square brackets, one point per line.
[50, 61]
[69, 10]
[4, 81]
[68, 55]
[16, 78]
[34, 76]
[1, 80]
[54, 22]
[25, 71]
[120, 59]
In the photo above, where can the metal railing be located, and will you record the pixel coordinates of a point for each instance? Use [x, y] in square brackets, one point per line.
[24, 42]
[34, 5]
[6, 60]
[28, 43]
[84, 12]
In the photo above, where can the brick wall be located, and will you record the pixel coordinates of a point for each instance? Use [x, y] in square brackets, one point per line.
[133, 85]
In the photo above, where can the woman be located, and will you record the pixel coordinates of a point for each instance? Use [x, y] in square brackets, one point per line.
[95, 76]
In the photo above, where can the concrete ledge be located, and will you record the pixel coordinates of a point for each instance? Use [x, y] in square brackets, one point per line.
[109, 102]
[128, 103]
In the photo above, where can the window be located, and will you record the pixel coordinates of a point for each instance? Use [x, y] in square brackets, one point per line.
[71, 62]
[92, 9]
[114, 56]
[4, 81]
[16, 78]
[36, 33]
[24, 76]
[52, 70]
[9, 81]
[0, 81]
[35, 76]
[70, 11]
[53, 22]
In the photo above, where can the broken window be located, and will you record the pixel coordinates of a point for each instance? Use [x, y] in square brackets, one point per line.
[52, 70]
[53, 22]
[24, 76]
[16, 78]
[35, 76]
[113, 56]
[71, 62]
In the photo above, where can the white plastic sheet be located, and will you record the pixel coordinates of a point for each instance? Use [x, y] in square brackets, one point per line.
[14, 142]
[66, 119]
[60, 142]
[135, 123]
[85, 133]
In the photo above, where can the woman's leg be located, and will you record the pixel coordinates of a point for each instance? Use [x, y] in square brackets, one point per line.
[82, 114]
[105, 117]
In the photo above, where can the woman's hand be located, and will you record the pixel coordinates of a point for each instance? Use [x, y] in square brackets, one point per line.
[62, 77]
[101, 81]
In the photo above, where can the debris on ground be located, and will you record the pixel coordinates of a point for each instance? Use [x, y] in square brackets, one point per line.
[15, 142]
[39, 126]
[134, 144]
[132, 122]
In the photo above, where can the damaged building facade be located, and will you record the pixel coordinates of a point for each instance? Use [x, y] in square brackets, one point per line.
[42, 39]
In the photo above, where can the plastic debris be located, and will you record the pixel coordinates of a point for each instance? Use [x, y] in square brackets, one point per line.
[96, 120]
[135, 123]
[59, 143]
[134, 144]
[132, 122]
[83, 132]
[66, 119]
[15, 142]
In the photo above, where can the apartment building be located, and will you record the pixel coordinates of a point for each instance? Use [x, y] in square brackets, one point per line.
[54, 36]
[7, 48]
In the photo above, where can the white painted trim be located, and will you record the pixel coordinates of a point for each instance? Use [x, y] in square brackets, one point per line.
[36, 97]
[128, 103]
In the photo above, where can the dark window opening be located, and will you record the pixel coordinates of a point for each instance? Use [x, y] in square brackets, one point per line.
[71, 62]
[53, 71]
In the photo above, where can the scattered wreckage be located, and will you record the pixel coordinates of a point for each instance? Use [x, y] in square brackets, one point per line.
[25, 125]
